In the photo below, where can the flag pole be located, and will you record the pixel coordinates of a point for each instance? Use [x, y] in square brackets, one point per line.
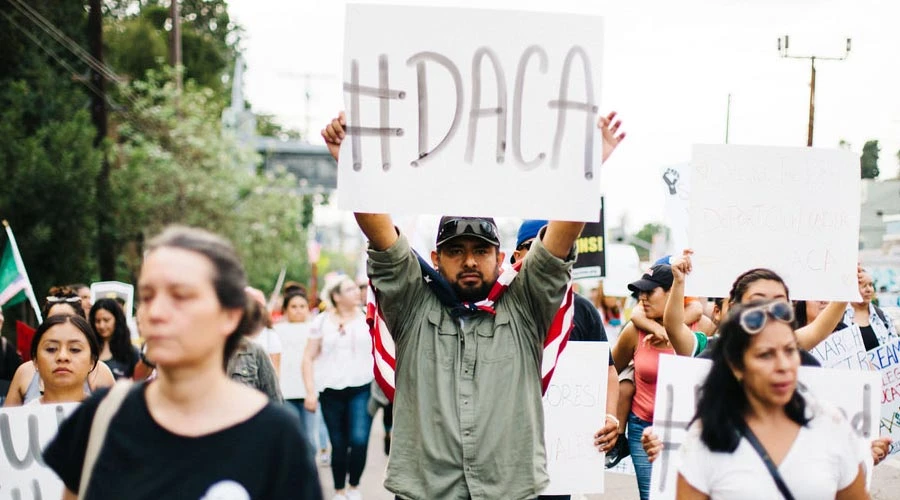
[29, 292]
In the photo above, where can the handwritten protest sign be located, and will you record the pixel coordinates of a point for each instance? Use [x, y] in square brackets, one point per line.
[842, 349]
[793, 210]
[676, 189]
[591, 244]
[574, 409]
[471, 112]
[854, 393]
[886, 359]
[24, 432]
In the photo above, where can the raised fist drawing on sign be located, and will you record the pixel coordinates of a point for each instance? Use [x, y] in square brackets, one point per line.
[671, 177]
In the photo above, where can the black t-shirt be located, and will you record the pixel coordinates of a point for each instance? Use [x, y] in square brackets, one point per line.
[264, 457]
[587, 324]
[870, 340]
[806, 359]
[123, 369]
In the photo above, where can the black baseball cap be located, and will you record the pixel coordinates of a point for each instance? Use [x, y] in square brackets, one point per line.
[478, 227]
[659, 275]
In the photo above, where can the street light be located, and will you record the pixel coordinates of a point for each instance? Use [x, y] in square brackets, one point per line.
[783, 50]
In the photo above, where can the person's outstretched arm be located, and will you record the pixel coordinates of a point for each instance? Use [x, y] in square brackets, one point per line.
[378, 228]
[681, 337]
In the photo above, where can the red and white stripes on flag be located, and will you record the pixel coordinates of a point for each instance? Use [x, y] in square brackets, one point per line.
[385, 353]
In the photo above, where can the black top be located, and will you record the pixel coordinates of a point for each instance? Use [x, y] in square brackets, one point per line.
[264, 457]
[122, 369]
[587, 324]
[869, 338]
[806, 359]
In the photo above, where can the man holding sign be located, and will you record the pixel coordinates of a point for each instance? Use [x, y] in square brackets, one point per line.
[468, 342]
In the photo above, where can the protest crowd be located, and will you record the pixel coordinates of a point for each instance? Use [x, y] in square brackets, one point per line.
[192, 384]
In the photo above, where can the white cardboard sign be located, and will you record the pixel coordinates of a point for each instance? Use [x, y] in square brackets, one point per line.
[792, 210]
[855, 393]
[842, 349]
[471, 112]
[676, 187]
[24, 432]
[574, 409]
[886, 360]
[623, 266]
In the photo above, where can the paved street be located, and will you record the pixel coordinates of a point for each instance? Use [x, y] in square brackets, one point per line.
[885, 484]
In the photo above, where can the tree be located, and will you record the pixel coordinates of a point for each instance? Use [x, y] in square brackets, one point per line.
[868, 161]
[48, 165]
[175, 164]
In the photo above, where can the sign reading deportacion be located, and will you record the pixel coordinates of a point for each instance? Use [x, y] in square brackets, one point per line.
[471, 112]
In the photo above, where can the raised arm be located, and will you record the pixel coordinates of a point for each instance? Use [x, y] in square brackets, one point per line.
[812, 334]
[560, 236]
[681, 337]
[378, 228]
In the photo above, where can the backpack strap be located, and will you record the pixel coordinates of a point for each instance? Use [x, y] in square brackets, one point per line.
[880, 314]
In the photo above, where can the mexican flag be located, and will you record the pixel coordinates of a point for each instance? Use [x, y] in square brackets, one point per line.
[13, 282]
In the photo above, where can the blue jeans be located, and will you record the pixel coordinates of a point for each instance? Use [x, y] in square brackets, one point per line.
[307, 422]
[347, 418]
[639, 458]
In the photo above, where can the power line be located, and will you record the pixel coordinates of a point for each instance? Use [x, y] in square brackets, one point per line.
[36, 18]
[52, 54]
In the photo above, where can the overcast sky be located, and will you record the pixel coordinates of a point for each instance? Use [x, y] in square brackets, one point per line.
[668, 68]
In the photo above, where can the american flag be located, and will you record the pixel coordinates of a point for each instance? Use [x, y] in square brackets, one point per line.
[384, 349]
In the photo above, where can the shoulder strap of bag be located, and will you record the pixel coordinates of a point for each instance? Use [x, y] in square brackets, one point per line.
[880, 314]
[104, 415]
[773, 470]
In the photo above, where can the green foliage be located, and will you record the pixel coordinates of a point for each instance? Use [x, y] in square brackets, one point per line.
[174, 164]
[134, 46]
[267, 126]
[138, 41]
[868, 161]
[48, 165]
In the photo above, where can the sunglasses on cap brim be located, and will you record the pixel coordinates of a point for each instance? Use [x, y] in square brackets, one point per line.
[460, 227]
[754, 319]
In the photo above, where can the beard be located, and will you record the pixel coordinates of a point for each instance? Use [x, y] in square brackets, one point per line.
[472, 294]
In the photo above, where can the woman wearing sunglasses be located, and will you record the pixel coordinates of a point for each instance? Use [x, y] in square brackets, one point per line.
[754, 435]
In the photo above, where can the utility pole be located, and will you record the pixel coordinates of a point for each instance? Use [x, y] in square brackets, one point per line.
[106, 250]
[175, 44]
[812, 78]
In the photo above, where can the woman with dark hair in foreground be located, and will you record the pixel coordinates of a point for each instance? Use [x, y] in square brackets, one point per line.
[754, 435]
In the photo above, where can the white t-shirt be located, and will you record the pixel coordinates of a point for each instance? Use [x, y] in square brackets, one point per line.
[824, 459]
[293, 337]
[346, 356]
[268, 340]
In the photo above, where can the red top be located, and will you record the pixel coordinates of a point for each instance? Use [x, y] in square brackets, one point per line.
[646, 369]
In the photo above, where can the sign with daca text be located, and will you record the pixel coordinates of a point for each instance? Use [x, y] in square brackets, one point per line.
[471, 112]
[792, 210]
